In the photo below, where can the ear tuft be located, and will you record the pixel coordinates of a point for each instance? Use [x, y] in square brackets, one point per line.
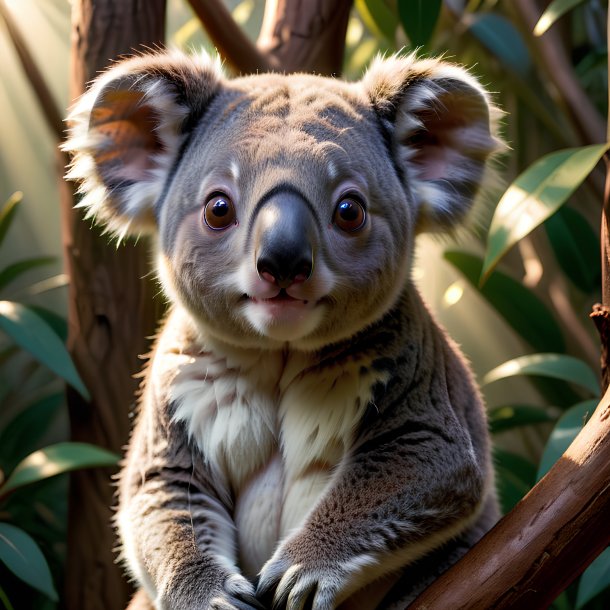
[443, 128]
[126, 131]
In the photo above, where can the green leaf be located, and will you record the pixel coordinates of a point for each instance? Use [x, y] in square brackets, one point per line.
[535, 195]
[567, 428]
[594, 580]
[7, 212]
[576, 248]
[23, 432]
[55, 321]
[22, 556]
[512, 416]
[418, 18]
[518, 305]
[378, 18]
[54, 460]
[515, 476]
[554, 11]
[28, 330]
[500, 36]
[8, 274]
[557, 366]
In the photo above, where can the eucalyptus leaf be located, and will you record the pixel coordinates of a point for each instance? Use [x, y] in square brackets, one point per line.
[378, 18]
[518, 305]
[22, 556]
[22, 434]
[508, 417]
[557, 366]
[552, 13]
[7, 213]
[576, 248]
[594, 580]
[418, 19]
[54, 460]
[535, 195]
[12, 272]
[567, 428]
[55, 321]
[503, 40]
[31, 332]
[515, 476]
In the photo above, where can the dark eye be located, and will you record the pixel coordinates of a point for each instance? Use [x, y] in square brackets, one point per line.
[349, 214]
[219, 212]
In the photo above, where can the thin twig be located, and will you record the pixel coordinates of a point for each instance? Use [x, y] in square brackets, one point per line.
[46, 101]
[555, 64]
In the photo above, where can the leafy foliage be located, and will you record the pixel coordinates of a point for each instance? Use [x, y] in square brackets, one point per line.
[31, 526]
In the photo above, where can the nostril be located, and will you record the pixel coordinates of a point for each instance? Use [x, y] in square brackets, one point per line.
[266, 271]
[302, 272]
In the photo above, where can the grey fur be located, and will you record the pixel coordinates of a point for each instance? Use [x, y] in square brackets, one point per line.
[324, 445]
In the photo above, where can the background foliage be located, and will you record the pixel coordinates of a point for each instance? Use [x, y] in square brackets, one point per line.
[533, 259]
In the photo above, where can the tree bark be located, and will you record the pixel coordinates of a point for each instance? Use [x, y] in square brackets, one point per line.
[110, 315]
[305, 36]
[296, 36]
[546, 541]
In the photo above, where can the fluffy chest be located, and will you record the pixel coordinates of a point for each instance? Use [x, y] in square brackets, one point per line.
[273, 427]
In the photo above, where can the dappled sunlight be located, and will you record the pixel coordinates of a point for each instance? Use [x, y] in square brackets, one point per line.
[42, 464]
[453, 294]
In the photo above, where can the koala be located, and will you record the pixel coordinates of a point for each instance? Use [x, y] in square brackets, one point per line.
[307, 434]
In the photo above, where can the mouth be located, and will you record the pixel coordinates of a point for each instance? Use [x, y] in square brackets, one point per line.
[282, 298]
[283, 317]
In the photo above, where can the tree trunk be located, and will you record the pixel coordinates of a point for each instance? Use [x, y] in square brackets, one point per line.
[110, 315]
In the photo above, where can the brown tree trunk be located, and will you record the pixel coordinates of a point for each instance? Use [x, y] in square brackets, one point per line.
[296, 36]
[110, 314]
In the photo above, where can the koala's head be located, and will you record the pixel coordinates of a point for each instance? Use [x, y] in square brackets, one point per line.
[285, 207]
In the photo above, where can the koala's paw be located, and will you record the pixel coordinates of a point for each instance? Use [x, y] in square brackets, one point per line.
[287, 584]
[238, 594]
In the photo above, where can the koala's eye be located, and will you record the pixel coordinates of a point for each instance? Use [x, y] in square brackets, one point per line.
[219, 212]
[349, 214]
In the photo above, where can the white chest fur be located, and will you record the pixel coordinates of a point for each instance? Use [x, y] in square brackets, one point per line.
[274, 427]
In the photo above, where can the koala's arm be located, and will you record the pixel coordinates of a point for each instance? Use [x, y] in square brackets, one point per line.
[415, 479]
[178, 536]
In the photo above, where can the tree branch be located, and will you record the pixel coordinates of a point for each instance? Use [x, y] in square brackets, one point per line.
[546, 541]
[554, 62]
[230, 40]
[295, 36]
[46, 101]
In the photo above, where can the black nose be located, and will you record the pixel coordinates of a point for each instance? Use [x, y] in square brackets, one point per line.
[284, 251]
[285, 270]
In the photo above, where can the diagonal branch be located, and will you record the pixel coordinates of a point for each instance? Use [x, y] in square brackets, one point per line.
[45, 98]
[545, 541]
[294, 37]
[230, 40]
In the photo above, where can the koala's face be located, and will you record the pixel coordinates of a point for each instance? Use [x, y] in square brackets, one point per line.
[285, 206]
[285, 220]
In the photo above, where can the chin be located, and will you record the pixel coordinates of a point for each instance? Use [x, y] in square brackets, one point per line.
[283, 321]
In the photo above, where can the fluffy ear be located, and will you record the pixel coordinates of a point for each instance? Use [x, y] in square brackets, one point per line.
[126, 132]
[442, 128]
